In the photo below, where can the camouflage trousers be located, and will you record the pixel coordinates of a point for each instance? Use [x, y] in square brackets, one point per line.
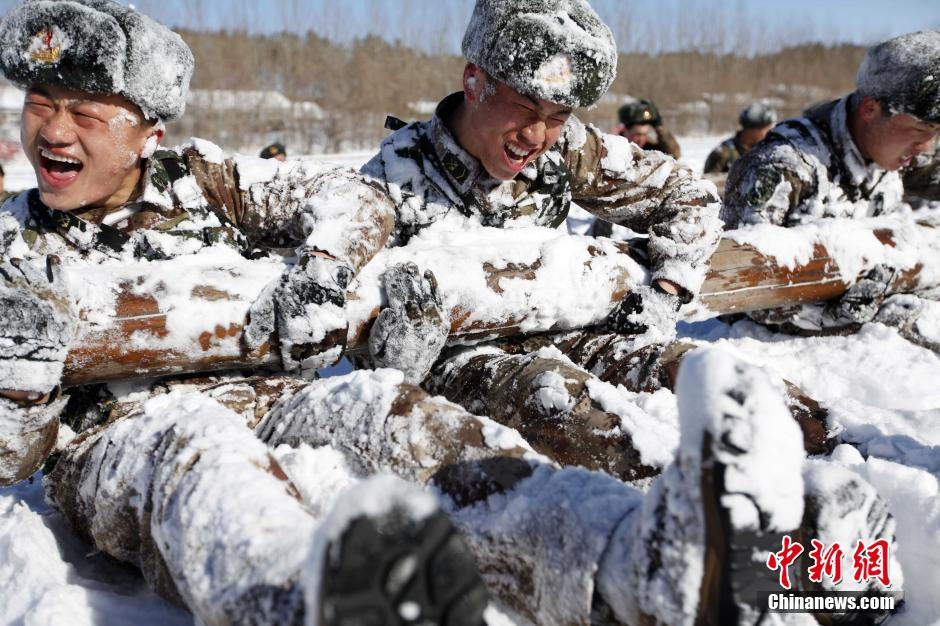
[175, 485]
[550, 388]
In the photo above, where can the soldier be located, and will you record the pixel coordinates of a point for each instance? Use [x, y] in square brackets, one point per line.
[641, 123]
[507, 152]
[922, 180]
[842, 159]
[756, 121]
[275, 151]
[4, 194]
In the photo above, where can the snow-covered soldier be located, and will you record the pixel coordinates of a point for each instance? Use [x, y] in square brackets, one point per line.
[756, 120]
[922, 180]
[843, 160]
[508, 152]
[181, 486]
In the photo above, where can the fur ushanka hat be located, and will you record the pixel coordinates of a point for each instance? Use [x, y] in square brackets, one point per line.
[555, 50]
[904, 73]
[98, 46]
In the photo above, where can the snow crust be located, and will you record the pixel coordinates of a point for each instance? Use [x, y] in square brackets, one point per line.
[457, 255]
[851, 244]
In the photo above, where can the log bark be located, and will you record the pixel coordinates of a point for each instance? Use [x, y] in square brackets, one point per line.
[548, 291]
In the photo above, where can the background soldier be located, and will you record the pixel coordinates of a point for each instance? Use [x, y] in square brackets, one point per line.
[756, 121]
[3, 193]
[275, 151]
[641, 123]
[842, 159]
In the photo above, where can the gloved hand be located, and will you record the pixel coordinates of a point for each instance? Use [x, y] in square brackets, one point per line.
[38, 323]
[862, 301]
[306, 309]
[643, 309]
[411, 332]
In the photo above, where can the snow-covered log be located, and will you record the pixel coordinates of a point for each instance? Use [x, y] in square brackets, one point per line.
[188, 314]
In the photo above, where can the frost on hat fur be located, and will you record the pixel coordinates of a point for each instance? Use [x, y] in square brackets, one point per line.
[904, 73]
[98, 46]
[555, 50]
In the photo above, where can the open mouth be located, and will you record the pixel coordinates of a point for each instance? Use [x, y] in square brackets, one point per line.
[517, 155]
[906, 160]
[58, 170]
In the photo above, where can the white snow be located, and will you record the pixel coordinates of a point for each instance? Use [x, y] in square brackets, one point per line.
[881, 390]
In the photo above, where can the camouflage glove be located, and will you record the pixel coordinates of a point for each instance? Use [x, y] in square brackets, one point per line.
[643, 309]
[305, 308]
[410, 333]
[38, 324]
[861, 302]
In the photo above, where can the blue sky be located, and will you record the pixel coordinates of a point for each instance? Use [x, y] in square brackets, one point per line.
[645, 24]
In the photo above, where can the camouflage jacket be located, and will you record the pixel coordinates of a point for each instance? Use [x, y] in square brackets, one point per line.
[720, 159]
[666, 143]
[193, 197]
[922, 179]
[806, 169]
[429, 176]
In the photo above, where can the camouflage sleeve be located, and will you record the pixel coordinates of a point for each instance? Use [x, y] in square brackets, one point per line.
[766, 186]
[922, 181]
[315, 208]
[648, 192]
[717, 161]
[668, 142]
[27, 437]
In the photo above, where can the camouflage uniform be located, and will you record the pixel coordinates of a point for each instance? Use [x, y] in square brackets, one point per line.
[922, 180]
[720, 159]
[808, 169]
[431, 178]
[666, 142]
[190, 201]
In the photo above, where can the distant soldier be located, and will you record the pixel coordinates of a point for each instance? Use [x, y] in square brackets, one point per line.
[641, 123]
[922, 180]
[275, 151]
[842, 159]
[756, 121]
[4, 194]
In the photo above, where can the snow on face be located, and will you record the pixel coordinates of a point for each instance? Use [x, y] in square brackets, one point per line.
[84, 147]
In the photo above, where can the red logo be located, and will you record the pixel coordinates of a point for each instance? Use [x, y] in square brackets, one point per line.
[868, 562]
[783, 559]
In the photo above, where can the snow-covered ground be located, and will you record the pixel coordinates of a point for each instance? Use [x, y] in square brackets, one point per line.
[881, 390]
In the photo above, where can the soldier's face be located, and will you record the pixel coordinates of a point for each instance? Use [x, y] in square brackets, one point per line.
[509, 129]
[638, 134]
[893, 141]
[85, 148]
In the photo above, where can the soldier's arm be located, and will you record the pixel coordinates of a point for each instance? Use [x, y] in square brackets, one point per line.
[922, 181]
[766, 186]
[717, 162]
[668, 142]
[320, 210]
[28, 435]
[648, 192]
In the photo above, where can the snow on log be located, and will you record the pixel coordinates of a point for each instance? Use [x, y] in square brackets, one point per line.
[187, 315]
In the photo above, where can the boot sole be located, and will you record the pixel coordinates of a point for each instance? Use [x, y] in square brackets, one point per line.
[395, 571]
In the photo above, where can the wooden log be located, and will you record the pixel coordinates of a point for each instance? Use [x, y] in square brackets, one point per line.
[187, 315]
